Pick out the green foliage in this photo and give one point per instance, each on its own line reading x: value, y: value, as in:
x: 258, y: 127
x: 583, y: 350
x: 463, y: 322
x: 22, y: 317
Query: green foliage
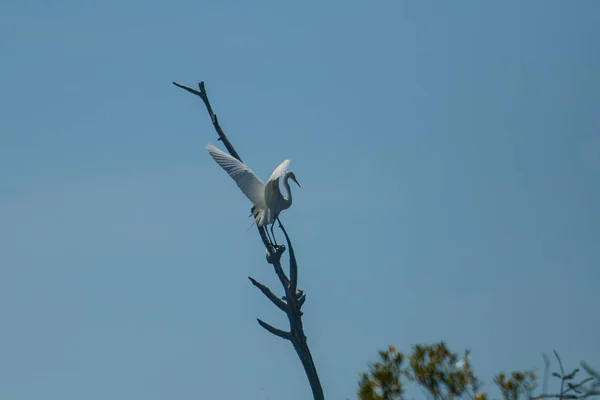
x: 383, y: 382
x: 445, y: 376
x: 594, y: 388
x: 519, y: 383
x: 435, y: 368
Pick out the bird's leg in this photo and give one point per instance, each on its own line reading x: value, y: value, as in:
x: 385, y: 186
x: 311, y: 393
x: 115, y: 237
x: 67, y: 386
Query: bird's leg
x: 269, y: 237
x: 273, y: 233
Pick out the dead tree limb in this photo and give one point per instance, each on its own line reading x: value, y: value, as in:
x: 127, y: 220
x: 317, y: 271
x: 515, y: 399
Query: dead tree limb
x: 573, y: 390
x: 275, y: 331
x: 293, y: 298
x: 213, y: 117
x: 270, y: 295
x: 223, y: 138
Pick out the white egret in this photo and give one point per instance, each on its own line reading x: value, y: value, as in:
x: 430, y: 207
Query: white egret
x: 267, y: 199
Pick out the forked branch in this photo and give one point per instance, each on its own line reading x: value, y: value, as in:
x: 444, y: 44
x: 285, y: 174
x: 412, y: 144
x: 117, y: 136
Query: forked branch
x: 223, y: 138
x: 294, y: 298
x: 573, y: 390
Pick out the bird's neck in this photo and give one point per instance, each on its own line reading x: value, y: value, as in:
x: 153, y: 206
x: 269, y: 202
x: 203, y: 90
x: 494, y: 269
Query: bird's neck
x: 286, y: 186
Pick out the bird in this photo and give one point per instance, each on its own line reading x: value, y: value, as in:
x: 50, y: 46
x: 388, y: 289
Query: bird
x: 267, y: 199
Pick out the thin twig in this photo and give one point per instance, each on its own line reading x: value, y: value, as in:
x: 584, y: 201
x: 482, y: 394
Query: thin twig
x: 562, y: 374
x: 275, y: 331
x: 580, y: 384
x: 546, y: 373
x: 564, y: 395
x: 270, y: 295
x: 213, y: 117
x: 590, y: 371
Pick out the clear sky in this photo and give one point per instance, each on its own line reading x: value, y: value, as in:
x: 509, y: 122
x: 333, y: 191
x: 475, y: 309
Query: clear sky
x: 449, y: 157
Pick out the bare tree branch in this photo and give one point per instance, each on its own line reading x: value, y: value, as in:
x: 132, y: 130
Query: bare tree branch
x: 564, y: 395
x: 562, y: 375
x: 275, y: 331
x: 546, y: 372
x: 294, y: 299
x: 267, y: 292
x: 293, y: 264
x: 222, y: 137
x: 213, y: 117
x: 590, y: 370
x: 582, y: 391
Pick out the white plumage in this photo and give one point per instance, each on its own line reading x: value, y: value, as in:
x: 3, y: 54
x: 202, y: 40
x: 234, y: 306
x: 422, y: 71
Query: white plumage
x: 267, y: 199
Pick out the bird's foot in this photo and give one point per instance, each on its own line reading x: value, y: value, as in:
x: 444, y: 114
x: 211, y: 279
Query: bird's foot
x: 278, y: 248
x: 275, y: 255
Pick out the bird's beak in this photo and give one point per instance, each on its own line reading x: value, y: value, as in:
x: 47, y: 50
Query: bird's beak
x: 294, y: 179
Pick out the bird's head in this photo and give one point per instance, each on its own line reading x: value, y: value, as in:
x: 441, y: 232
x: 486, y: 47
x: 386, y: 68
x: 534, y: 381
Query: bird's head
x: 293, y: 177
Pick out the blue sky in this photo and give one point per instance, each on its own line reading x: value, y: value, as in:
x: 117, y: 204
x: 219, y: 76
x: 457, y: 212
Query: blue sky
x: 449, y: 156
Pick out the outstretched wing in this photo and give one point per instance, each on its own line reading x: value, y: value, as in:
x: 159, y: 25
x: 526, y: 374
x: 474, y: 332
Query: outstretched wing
x: 272, y: 193
x: 243, y: 176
